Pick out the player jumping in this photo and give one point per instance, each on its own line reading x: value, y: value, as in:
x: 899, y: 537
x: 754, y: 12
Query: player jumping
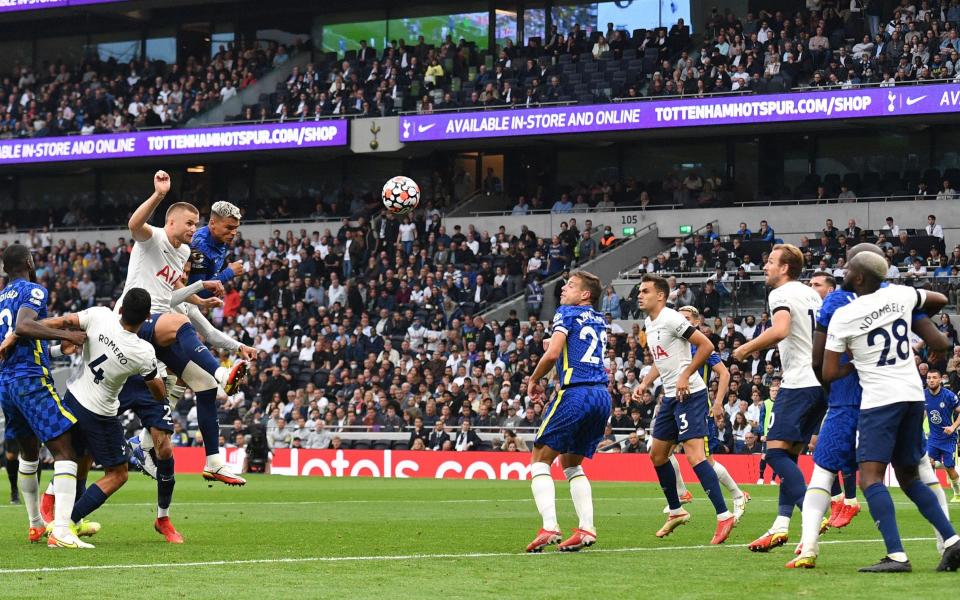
x: 157, y: 265
x: 576, y: 418
x: 799, y: 406
x: 875, y: 329
x: 713, y: 364
x: 683, y: 414
x: 33, y: 411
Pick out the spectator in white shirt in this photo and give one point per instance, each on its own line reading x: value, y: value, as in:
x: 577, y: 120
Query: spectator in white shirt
x: 932, y: 228
x: 892, y: 271
x: 948, y: 193
x: 336, y: 293
x: 892, y: 227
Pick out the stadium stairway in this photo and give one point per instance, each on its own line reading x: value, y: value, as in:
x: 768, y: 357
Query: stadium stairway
x: 606, y: 266
x: 251, y: 94
x: 480, y: 202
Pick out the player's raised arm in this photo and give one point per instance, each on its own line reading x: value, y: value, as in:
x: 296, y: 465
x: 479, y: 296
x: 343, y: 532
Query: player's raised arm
x: 777, y: 332
x: 723, y: 384
x: 138, y: 221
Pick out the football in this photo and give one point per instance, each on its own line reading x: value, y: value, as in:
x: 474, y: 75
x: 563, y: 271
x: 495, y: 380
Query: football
x: 400, y: 195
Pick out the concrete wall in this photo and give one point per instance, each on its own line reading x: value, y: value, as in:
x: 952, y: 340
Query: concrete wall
x: 789, y: 222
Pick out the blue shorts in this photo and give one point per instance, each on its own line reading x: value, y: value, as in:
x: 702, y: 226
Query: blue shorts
x: 892, y: 434
x: 682, y: 421
x: 943, y: 451
x: 102, y: 436
x: 797, y: 414
x: 32, y: 409
x: 837, y: 443
x: 576, y: 419
x: 136, y: 396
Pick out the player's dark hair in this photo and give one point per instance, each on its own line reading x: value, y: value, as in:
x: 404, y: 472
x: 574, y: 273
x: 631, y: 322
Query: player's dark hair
x: 181, y: 206
x: 934, y: 370
x: 831, y: 281
x: 659, y: 283
x: 591, y: 283
x: 16, y: 259
x: 135, y: 307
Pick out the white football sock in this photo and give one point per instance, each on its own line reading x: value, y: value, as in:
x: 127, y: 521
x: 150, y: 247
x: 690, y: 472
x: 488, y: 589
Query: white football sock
x: 726, y: 480
x: 929, y: 477
x: 146, y: 440
x: 816, y: 503
x: 162, y: 512
x: 781, y: 523
x: 545, y: 495
x: 582, y: 496
x: 221, y: 375
x: 50, y: 488
x: 955, y: 485
x: 30, y: 490
x: 214, y: 461
x: 681, y: 486
x: 175, y: 394
x: 65, y: 491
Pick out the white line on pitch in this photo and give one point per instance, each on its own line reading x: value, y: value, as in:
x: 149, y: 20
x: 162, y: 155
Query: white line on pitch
x: 335, y: 559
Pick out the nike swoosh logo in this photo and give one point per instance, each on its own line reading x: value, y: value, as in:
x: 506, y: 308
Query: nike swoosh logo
x: 422, y: 128
x: 912, y: 101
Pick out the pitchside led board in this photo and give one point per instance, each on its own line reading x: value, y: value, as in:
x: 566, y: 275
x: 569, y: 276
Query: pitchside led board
x: 659, y: 114
x: 172, y: 142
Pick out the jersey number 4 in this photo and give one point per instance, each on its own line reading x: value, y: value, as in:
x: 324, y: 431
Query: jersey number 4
x: 900, y: 335
x: 590, y: 333
x: 97, y: 373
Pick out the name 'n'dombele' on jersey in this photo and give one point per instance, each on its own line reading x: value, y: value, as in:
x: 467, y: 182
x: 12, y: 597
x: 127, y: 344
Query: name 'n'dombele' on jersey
x: 796, y: 350
x: 156, y: 266
x: 582, y: 357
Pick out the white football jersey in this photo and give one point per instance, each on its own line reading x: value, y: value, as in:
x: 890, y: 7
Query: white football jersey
x: 876, y: 329
x: 111, y: 354
x: 796, y: 350
x: 671, y: 350
x: 156, y: 266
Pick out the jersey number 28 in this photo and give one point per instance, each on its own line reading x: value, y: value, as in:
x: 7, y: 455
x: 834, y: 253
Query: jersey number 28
x: 900, y: 336
x: 589, y: 357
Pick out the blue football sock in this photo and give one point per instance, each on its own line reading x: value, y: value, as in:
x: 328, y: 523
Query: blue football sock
x: 207, y: 421
x: 929, y: 506
x: 165, y: 482
x: 763, y: 467
x: 850, y: 484
x: 92, y: 499
x: 711, y: 484
x: 191, y: 349
x: 668, y: 483
x: 835, y: 488
x: 792, y: 485
x: 885, y: 516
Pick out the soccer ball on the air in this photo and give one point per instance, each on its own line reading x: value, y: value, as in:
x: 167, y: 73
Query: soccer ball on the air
x: 400, y: 195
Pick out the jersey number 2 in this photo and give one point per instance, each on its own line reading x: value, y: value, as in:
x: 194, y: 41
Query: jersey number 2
x: 588, y: 356
x: 97, y: 373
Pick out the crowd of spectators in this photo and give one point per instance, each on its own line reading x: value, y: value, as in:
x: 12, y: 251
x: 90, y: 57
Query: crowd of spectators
x: 825, y: 45
x: 104, y: 96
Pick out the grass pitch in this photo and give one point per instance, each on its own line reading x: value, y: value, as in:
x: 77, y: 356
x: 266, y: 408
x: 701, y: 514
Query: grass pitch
x: 310, y: 537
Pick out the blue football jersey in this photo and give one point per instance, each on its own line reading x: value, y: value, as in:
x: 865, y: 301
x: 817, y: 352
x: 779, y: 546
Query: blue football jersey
x: 940, y: 412
x: 582, y: 358
x: 29, y: 357
x: 707, y: 368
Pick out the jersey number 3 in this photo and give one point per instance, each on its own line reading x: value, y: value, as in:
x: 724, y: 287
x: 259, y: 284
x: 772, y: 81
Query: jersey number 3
x: 97, y: 373
x: 589, y: 357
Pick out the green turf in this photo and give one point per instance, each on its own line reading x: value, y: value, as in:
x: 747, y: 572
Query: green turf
x: 305, y: 520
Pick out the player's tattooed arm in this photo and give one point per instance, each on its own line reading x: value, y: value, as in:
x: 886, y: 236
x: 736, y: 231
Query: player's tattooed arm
x: 29, y: 326
x: 769, y: 338
x: 139, y: 229
x: 69, y: 321
x: 157, y: 388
